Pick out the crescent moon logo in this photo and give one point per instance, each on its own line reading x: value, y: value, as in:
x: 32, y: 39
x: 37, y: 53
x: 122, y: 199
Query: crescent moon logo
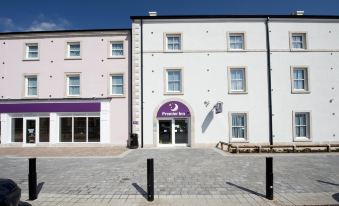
x: 175, y: 108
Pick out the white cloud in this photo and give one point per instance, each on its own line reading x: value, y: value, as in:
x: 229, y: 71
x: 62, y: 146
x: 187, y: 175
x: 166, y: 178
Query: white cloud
x: 42, y: 23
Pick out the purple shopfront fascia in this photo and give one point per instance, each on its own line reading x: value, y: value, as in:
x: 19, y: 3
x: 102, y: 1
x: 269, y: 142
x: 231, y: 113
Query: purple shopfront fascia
x: 50, y: 107
x: 173, y: 109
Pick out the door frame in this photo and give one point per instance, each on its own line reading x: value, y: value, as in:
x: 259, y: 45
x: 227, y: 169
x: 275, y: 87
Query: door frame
x: 25, y: 130
x: 172, y: 119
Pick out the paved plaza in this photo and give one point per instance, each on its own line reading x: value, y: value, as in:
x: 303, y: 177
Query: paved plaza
x: 182, y: 177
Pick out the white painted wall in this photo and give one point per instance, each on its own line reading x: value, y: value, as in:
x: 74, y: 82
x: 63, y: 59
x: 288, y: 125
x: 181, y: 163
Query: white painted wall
x: 205, y: 48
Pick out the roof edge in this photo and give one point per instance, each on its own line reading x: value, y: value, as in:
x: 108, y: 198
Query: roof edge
x: 64, y: 31
x: 236, y: 16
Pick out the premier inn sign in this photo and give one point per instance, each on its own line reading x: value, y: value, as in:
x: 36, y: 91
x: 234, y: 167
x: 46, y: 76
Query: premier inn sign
x: 173, y: 109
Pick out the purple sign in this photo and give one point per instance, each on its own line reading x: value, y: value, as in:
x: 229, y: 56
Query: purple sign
x: 173, y: 109
x: 50, y: 107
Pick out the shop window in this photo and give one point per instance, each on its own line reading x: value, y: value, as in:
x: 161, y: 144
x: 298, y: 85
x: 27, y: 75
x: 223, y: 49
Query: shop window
x: 66, y: 129
x: 44, y: 129
x: 93, y: 129
x: 17, y: 129
x: 80, y: 129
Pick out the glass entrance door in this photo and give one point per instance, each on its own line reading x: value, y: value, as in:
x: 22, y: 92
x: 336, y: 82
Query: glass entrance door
x: 174, y: 132
x: 181, y: 131
x: 165, y: 131
x: 31, y: 131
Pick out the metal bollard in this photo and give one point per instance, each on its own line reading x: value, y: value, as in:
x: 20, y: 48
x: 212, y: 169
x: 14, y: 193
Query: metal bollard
x: 32, y: 179
x: 150, y: 180
x: 269, y: 178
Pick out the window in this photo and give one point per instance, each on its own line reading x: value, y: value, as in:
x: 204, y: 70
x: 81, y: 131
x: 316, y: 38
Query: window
x: 73, y: 85
x: 299, y: 80
x: 31, y: 86
x: 239, y: 126
x: 73, y: 49
x: 298, y: 41
x: 237, y: 80
x: 32, y: 51
x: 173, y: 81
x: 302, y: 126
x: 236, y: 41
x: 117, y: 82
x: 79, y: 129
x: 173, y: 42
x: 17, y: 129
x: 44, y: 129
x: 117, y: 49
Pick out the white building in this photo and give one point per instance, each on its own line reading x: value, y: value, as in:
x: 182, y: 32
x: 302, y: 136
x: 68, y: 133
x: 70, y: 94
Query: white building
x: 184, y: 65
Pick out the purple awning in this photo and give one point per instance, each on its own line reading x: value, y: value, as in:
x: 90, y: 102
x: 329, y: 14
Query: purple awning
x: 173, y: 109
x: 50, y: 107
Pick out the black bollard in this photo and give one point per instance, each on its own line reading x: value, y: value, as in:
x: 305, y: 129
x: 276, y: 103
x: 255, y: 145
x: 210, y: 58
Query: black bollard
x: 32, y: 179
x: 150, y: 180
x: 269, y: 178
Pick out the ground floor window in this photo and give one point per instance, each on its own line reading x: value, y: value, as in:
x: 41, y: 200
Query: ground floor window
x: 239, y: 126
x: 79, y: 129
x: 302, y: 125
x: 17, y: 129
x: 44, y: 129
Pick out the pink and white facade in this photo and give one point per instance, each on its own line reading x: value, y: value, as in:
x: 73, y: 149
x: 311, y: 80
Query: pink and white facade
x: 65, y: 87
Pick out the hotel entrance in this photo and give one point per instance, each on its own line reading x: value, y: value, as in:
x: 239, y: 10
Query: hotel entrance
x: 173, y: 124
x: 173, y: 132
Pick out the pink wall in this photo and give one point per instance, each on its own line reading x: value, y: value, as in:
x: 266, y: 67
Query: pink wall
x: 94, y: 66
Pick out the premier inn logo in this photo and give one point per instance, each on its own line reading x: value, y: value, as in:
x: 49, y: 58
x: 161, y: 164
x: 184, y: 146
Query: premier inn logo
x: 173, y: 107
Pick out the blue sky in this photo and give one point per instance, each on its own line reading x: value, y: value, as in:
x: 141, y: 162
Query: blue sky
x: 29, y: 15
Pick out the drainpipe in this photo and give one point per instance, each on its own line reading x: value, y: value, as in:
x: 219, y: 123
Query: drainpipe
x: 141, y: 83
x: 269, y: 80
x: 130, y: 90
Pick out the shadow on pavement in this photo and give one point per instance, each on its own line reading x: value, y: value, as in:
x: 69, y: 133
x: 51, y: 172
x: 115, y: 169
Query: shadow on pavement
x: 39, y: 187
x: 140, y: 190
x: 330, y: 183
x: 336, y: 196
x: 24, y: 204
x: 245, y: 189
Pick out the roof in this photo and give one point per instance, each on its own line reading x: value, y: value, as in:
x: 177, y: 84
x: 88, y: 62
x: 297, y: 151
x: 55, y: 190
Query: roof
x: 64, y: 31
x: 236, y: 16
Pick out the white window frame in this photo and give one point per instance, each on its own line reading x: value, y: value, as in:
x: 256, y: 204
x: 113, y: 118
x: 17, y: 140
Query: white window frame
x: 243, y: 34
x: 68, y: 50
x: 26, y: 53
x: 27, y: 76
x: 306, y: 89
x: 76, y: 116
x: 111, y: 85
x: 166, y: 35
x: 245, y: 83
x: 246, y: 126
x: 68, y: 86
x: 308, y: 125
x: 304, y: 41
x: 110, y: 49
x: 166, y: 82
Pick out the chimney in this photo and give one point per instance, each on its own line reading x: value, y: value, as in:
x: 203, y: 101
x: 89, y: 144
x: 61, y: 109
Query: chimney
x: 298, y: 13
x: 152, y: 13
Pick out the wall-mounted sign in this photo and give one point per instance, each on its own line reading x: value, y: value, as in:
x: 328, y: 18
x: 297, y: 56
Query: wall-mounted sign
x: 173, y: 109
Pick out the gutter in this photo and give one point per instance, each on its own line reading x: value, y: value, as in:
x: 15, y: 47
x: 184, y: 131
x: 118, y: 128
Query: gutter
x: 141, y: 83
x: 269, y: 80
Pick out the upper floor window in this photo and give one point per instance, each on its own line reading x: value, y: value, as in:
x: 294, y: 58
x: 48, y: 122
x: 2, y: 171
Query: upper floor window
x: 73, y: 50
x: 298, y: 41
x: 237, y: 80
x: 236, y: 41
x: 173, y: 42
x: 117, y: 84
x: 299, y: 80
x: 302, y: 125
x: 73, y: 85
x: 117, y: 49
x: 174, y: 82
x: 32, y: 51
x: 239, y: 126
x: 31, y: 86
